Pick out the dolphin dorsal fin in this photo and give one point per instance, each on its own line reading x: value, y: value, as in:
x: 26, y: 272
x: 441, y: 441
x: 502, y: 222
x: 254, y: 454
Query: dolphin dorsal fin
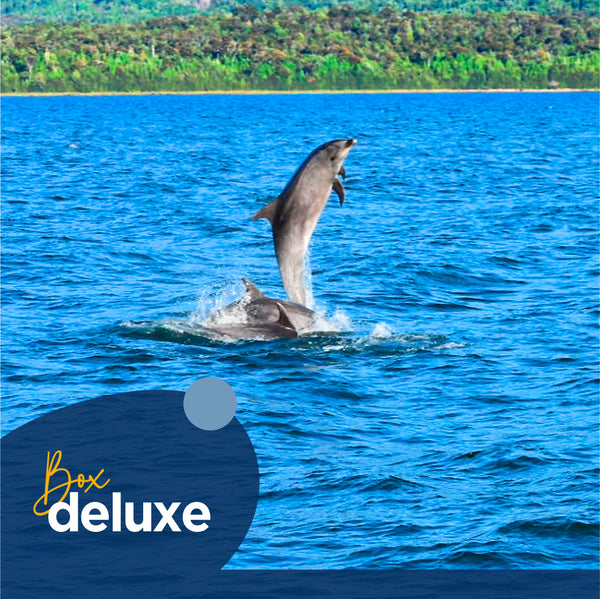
x: 284, y: 319
x: 267, y: 211
x: 339, y: 189
x: 252, y: 290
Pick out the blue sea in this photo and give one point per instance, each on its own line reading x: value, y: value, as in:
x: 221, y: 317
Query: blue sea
x: 450, y: 420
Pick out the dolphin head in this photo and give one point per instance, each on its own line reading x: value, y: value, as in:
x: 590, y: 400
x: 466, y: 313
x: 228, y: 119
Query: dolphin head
x: 331, y: 156
x: 334, y: 153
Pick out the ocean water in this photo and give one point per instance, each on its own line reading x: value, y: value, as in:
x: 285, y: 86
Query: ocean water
x: 450, y: 421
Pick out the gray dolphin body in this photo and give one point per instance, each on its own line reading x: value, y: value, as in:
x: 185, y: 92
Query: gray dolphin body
x: 256, y: 316
x: 281, y: 329
x: 295, y: 212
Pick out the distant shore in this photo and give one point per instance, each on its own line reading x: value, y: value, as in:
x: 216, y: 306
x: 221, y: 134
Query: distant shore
x: 296, y: 92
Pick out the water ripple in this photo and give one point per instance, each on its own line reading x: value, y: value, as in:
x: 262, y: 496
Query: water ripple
x: 449, y: 420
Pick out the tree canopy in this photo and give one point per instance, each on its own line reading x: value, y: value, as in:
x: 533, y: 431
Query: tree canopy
x: 295, y: 48
x: 121, y: 11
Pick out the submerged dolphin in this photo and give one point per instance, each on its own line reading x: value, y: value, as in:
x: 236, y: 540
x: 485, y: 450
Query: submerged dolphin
x: 257, y: 316
x: 281, y: 328
x: 295, y: 212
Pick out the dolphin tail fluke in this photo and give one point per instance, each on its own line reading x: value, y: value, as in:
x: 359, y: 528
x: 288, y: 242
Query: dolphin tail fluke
x: 267, y: 211
x: 251, y: 289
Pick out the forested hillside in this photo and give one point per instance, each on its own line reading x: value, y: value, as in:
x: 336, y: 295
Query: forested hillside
x: 297, y: 48
x: 119, y: 11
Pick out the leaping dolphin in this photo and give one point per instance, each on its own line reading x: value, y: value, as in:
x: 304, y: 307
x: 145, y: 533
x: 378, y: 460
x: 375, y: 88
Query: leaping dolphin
x: 295, y: 212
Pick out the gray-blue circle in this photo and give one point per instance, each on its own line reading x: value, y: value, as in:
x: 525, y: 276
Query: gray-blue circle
x: 210, y: 403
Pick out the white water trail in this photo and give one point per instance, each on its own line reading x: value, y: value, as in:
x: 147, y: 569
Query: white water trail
x: 308, y: 287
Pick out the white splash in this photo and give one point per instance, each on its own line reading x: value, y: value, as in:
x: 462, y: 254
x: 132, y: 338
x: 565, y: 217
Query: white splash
x: 451, y: 345
x: 341, y: 321
x: 381, y: 331
x: 310, y: 298
x: 212, y: 300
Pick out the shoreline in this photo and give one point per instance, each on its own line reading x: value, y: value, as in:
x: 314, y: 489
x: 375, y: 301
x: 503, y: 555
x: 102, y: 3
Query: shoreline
x: 295, y: 92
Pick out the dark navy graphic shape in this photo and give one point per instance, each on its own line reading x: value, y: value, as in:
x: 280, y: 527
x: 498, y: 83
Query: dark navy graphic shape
x: 151, y: 452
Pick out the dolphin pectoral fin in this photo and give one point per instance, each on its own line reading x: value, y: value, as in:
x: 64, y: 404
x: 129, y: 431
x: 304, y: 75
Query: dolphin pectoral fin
x: 342, y: 171
x: 339, y: 189
x: 267, y: 211
x: 251, y: 289
x: 284, y: 319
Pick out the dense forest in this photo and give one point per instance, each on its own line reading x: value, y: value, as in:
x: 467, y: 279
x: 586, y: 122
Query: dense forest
x: 119, y: 11
x: 293, y: 47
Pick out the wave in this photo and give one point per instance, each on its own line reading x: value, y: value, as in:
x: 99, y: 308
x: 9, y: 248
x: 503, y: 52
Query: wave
x: 327, y: 336
x: 552, y: 527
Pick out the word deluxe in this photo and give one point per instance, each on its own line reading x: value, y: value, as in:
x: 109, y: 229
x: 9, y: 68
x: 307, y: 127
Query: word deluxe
x: 95, y: 514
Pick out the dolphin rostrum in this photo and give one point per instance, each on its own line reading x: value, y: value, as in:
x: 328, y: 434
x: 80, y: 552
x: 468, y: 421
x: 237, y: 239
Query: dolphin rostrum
x: 295, y: 212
